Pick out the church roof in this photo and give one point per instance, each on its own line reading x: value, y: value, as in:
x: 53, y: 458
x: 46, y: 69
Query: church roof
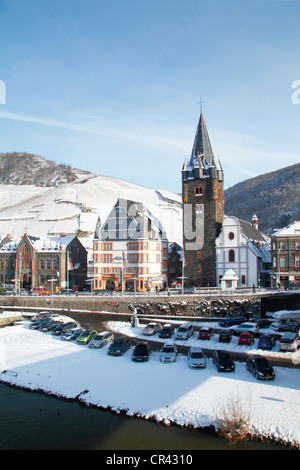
x: 202, y: 145
x: 202, y: 163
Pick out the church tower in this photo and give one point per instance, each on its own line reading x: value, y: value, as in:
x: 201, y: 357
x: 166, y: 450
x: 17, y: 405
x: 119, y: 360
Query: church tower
x: 203, y: 210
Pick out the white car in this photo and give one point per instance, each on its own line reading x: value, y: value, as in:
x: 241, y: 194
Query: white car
x: 247, y: 326
x: 196, y: 358
x: 103, y: 338
x: 168, y: 353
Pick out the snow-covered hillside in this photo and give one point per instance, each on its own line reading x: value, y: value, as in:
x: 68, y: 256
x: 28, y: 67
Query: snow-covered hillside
x: 75, y: 207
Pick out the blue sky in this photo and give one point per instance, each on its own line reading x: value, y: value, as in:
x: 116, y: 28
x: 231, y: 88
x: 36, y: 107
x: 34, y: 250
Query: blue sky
x: 113, y: 86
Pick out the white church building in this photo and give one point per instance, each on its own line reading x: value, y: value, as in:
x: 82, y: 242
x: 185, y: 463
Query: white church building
x: 242, y: 248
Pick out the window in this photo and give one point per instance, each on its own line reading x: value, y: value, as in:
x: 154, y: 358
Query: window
x: 282, y: 245
x: 198, y: 191
x: 231, y: 235
x: 231, y: 256
x: 199, y: 208
x: 297, y: 245
x: 107, y: 246
x: 297, y: 262
x: 282, y: 261
x: 243, y: 279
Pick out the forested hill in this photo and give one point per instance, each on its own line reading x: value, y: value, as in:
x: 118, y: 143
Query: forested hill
x: 274, y: 197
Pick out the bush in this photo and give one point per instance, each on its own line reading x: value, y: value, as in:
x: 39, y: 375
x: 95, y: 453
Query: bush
x: 233, y: 420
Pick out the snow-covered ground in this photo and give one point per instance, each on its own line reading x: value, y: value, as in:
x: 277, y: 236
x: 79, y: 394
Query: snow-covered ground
x: 165, y: 392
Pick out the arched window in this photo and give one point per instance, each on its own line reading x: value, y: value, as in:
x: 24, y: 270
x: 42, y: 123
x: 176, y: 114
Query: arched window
x: 231, y: 256
x: 198, y: 191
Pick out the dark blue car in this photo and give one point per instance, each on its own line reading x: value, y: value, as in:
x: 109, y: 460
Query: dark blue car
x: 266, y: 342
x: 230, y: 321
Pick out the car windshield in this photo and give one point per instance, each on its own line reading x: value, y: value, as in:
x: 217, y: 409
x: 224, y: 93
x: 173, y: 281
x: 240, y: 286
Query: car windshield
x: 118, y: 341
x: 141, y: 348
x: 197, y: 355
x: 98, y: 337
x: 262, y: 362
x: 182, y: 328
x: 168, y: 349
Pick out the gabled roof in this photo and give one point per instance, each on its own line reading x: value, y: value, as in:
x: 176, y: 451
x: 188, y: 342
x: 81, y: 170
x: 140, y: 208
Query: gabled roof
x: 137, y: 222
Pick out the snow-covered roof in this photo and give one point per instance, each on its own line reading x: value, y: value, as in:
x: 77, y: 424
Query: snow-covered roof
x: 40, y: 244
x: 291, y: 230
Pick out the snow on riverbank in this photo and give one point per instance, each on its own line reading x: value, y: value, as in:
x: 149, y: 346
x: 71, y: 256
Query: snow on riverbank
x: 165, y: 392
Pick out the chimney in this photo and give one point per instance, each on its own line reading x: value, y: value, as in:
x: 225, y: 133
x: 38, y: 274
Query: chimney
x: 254, y: 221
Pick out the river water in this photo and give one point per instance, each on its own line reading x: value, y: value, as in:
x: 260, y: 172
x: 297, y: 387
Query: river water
x: 33, y: 421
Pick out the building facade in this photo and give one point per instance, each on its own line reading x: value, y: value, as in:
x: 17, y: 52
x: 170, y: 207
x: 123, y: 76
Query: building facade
x: 130, y: 250
x: 203, y: 210
x: 49, y: 262
x: 245, y: 251
x: 285, y: 244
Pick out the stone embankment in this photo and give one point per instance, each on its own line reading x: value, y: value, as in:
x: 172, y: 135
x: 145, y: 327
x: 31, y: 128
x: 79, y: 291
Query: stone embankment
x: 181, y: 306
x: 192, y: 306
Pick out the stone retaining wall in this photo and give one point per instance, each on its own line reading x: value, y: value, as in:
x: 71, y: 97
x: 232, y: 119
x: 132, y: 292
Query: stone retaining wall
x: 197, y: 306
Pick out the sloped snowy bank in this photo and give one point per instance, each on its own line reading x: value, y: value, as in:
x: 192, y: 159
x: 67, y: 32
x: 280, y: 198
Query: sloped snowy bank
x: 170, y: 393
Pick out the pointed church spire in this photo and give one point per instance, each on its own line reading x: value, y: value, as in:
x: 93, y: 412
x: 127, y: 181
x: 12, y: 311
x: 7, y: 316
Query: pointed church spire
x: 202, y: 145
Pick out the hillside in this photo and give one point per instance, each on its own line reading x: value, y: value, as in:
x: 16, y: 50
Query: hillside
x: 42, y: 198
x: 28, y: 169
x: 274, y: 197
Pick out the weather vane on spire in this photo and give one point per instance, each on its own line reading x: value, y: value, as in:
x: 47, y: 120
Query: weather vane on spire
x: 201, y: 103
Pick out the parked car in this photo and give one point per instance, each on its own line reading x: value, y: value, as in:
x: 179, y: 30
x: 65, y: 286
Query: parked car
x: 64, y: 327
x: 185, y: 331
x: 86, y: 336
x: 168, y: 353
x: 39, y: 291
x: 196, y: 358
x: 290, y: 341
x: 225, y: 336
x: 223, y: 361
x: 141, y: 352
x: 295, y: 326
x: 39, y: 315
x: 167, y: 331
x: 151, y: 329
x: 237, y: 329
x: 260, y: 367
x: 72, y: 334
x: 50, y: 325
x: 266, y: 341
x: 103, y: 338
x: 119, y: 346
x: 282, y: 325
x: 230, y: 321
x: 263, y: 322
x: 42, y: 321
x: 205, y: 333
x: 246, y: 337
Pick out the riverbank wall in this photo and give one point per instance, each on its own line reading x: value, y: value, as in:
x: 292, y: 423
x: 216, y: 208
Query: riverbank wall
x: 173, y: 305
x: 195, y: 306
